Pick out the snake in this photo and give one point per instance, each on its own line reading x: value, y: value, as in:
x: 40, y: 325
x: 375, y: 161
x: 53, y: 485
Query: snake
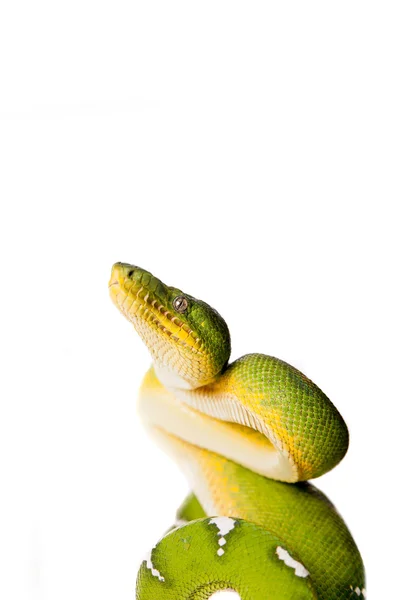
x: 248, y: 435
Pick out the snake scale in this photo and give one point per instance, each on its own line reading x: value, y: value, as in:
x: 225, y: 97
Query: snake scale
x: 248, y: 435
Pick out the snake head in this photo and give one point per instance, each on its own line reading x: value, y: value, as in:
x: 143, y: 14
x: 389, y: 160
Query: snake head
x: 188, y: 340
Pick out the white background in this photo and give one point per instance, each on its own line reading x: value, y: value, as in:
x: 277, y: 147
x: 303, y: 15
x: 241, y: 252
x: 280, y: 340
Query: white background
x: 247, y: 152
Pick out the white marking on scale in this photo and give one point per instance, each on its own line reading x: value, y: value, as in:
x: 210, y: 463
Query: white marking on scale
x: 225, y: 525
x: 358, y: 591
x: 299, y: 569
x: 150, y: 566
x: 222, y: 541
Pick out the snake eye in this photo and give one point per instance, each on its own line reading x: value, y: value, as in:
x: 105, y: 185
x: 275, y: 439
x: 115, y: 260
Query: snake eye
x: 180, y: 304
x: 131, y: 272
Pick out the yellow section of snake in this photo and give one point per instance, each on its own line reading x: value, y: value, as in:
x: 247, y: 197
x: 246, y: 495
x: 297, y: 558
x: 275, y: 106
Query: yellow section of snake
x: 161, y: 408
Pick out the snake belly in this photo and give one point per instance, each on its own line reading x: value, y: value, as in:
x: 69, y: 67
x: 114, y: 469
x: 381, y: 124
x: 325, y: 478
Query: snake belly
x: 248, y: 435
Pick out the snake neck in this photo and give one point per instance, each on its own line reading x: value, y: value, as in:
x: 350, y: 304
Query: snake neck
x: 174, y: 381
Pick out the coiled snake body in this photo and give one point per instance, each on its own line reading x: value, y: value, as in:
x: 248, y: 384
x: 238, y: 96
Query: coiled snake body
x: 247, y: 435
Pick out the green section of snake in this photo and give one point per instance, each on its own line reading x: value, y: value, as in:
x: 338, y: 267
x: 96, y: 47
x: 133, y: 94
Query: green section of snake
x: 189, y: 554
x: 229, y: 426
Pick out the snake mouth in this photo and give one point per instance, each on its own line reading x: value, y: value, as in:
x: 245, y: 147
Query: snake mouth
x: 146, y: 311
x: 115, y: 278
